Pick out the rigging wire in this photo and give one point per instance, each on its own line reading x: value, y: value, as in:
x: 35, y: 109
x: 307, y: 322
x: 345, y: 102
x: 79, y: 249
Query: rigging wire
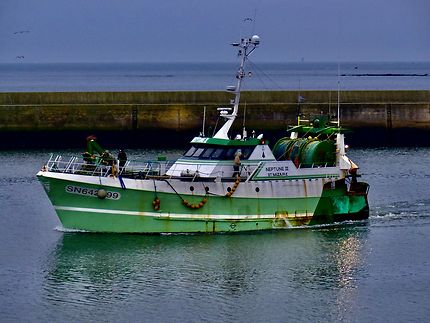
x: 257, y: 68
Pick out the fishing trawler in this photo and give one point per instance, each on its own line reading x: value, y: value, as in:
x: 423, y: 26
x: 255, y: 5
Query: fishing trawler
x: 223, y: 183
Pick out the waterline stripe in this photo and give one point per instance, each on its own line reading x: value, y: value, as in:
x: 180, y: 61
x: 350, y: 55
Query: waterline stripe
x: 183, y: 216
x: 83, y: 209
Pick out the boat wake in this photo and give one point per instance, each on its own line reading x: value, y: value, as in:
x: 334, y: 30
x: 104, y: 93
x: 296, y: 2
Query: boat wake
x: 304, y: 227
x: 403, y: 209
x: 65, y: 230
x: 331, y: 225
x: 401, y: 213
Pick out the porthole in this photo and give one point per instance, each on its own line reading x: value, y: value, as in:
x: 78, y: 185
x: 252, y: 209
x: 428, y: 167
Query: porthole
x: 228, y: 189
x: 257, y: 189
x: 191, y: 188
x: 207, y: 189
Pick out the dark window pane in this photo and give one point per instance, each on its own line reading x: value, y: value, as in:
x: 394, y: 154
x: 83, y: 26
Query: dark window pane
x: 217, y: 153
x: 246, y: 152
x: 230, y: 153
x: 198, y: 152
x: 208, y: 152
x: 190, y: 152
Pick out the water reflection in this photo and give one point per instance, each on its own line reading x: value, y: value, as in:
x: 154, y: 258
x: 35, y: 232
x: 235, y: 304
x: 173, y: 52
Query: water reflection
x: 335, y: 262
x: 132, y: 275
x: 90, y: 268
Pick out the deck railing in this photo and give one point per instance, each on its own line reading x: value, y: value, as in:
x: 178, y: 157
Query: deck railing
x: 148, y: 169
x: 75, y: 165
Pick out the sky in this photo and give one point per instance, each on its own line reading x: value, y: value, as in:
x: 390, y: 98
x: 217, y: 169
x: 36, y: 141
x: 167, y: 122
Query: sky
x: 51, y: 31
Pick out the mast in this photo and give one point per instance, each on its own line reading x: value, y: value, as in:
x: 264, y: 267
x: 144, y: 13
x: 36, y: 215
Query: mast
x: 245, y: 48
x: 338, y: 95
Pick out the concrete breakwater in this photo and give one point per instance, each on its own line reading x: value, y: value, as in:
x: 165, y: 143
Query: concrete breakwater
x: 150, y: 119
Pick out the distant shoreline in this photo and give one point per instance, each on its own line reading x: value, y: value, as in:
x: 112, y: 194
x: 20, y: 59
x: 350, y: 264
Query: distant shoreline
x: 211, y: 76
x: 386, y: 74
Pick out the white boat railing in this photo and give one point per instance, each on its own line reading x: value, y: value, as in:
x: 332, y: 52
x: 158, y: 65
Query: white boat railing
x: 75, y: 165
x: 141, y: 170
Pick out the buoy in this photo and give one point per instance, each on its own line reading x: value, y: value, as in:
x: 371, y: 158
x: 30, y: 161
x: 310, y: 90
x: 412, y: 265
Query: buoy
x: 101, y: 194
x: 195, y: 206
x: 156, y: 204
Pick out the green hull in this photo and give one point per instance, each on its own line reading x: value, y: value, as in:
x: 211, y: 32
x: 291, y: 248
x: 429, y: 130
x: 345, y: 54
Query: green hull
x: 134, y: 211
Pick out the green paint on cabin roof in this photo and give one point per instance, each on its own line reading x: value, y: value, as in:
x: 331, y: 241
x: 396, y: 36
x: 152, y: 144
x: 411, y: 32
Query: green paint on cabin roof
x: 317, y: 131
x: 318, y: 124
x: 225, y: 142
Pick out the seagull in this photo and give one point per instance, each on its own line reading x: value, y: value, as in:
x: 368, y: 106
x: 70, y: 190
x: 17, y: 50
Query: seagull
x: 21, y: 32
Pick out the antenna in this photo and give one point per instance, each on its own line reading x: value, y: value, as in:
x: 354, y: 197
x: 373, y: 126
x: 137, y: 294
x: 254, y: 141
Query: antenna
x: 245, y: 25
x: 204, y: 121
x: 339, y: 31
x: 254, y: 20
x: 244, y: 133
x: 299, y: 100
x: 338, y: 94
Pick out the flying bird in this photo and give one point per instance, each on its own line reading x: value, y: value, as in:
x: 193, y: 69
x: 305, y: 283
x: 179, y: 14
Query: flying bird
x: 21, y: 32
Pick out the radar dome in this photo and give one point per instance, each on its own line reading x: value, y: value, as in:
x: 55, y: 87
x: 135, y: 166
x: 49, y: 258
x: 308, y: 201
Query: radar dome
x: 255, y: 40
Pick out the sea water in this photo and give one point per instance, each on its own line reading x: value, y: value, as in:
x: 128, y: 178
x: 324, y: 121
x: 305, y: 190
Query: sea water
x: 20, y: 77
x: 374, y: 271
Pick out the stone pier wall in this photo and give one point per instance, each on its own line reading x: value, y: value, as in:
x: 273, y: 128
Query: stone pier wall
x: 384, y: 116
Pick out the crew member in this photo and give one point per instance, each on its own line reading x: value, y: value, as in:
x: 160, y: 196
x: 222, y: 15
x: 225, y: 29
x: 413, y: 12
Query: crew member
x: 122, y: 158
x: 236, y: 165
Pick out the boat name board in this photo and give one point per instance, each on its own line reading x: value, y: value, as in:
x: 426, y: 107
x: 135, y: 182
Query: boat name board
x: 275, y: 171
x: 92, y: 192
x: 286, y: 170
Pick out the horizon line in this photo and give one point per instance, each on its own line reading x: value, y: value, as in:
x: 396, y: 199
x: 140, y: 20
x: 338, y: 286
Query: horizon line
x: 216, y: 62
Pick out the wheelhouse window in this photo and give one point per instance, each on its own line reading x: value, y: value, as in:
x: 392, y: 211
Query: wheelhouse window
x: 208, y: 152
x: 221, y: 153
x: 190, y: 152
x: 217, y: 153
x: 246, y: 152
x: 229, y: 153
x: 198, y: 152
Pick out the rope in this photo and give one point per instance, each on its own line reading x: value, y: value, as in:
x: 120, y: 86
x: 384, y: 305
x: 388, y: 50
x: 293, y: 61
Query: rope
x: 236, y: 184
x: 185, y: 202
x: 156, y: 201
